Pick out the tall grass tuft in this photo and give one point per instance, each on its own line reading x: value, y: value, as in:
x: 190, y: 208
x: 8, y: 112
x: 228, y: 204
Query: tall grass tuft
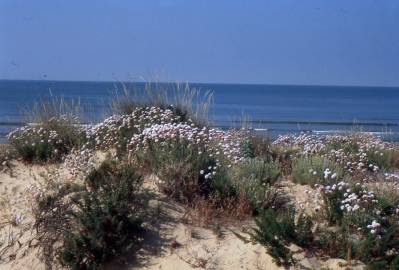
x: 50, y: 108
x: 188, y: 102
x: 54, y: 130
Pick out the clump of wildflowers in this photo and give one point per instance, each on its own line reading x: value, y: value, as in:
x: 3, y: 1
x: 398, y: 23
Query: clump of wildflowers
x: 359, y: 153
x: 48, y: 140
x: 188, y: 160
x: 218, y: 144
x: 117, y: 130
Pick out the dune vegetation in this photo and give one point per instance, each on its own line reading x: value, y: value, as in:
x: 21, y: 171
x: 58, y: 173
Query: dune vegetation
x: 94, y: 207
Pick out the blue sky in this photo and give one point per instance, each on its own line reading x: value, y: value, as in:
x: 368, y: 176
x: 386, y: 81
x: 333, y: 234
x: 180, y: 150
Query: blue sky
x: 322, y: 42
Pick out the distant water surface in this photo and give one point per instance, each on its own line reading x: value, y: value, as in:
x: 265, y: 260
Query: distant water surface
x: 274, y: 109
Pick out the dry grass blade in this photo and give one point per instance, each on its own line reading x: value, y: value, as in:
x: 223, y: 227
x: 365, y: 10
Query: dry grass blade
x: 189, y: 101
x: 54, y: 107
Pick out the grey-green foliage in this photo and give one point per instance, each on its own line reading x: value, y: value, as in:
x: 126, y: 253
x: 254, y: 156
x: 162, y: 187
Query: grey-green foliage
x: 106, y: 220
x: 48, y: 140
x: 179, y: 167
x: 276, y: 230
x: 310, y: 170
x: 254, y: 179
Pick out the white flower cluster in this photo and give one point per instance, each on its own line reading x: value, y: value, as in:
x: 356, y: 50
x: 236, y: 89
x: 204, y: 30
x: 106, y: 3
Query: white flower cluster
x: 78, y: 163
x: 216, y: 143
x: 310, y: 144
x: 392, y: 177
x: 39, y: 134
x: 328, y: 174
x: 117, y: 130
x: 374, y: 227
x: 350, y: 201
x: 210, y: 172
x: 32, y: 135
x: 331, y: 188
x: 351, y: 151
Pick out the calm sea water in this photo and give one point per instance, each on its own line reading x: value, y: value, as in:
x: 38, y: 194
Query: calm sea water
x: 271, y: 108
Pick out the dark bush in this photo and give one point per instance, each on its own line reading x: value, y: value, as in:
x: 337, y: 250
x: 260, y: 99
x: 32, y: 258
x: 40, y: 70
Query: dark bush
x: 183, y: 171
x: 276, y: 230
x: 107, y: 219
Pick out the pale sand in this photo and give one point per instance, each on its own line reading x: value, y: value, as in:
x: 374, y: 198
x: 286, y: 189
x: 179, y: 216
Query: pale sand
x: 14, y: 255
x: 195, y: 247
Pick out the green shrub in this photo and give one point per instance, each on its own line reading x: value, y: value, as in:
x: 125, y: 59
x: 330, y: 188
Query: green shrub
x: 107, y: 220
x: 48, y: 140
x: 221, y: 185
x: 384, y: 159
x: 310, y: 170
x: 276, y: 230
x: 269, y: 233
x: 285, y: 159
x: 184, y: 172
x: 395, y: 159
x: 332, y: 207
x: 247, y: 149
x: 256, y: 146
x: 370, y: 230
x: 254, y: 179
x: 349, y: 146
x: 334, y: 243
x: 304, y: 236
x: 52, y: 216
x: 379, y: 252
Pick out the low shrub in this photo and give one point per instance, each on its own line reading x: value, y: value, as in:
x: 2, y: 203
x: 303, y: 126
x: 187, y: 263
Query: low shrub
x: 256, y: 146
x: 269, y: 233
x: 395, y: 158
x: 184, y: 171
x: 276, y: 230
x: 93, y: 224
x: 254, y: 179
x: 384, y: 159
x: 379, y: 252
x: 108, y: 220
x: 285, y: 159
x: 348, y: 144
x: 188, y: 160
x: 333, y: 242
x: 52, y: 213
x: 116, y: 131
x: 47, y: 141
x: 367, y: 225
x: 312, y: 170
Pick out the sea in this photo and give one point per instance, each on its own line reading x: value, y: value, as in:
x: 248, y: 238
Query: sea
x: 268, y: 109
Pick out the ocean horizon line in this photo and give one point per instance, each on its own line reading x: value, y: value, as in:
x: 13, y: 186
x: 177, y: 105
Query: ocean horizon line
x: 302, y: 122
x: 206, y: 83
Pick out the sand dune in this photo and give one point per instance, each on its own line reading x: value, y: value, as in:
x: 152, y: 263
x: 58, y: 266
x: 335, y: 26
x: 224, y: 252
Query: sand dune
x: 170, y: 243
